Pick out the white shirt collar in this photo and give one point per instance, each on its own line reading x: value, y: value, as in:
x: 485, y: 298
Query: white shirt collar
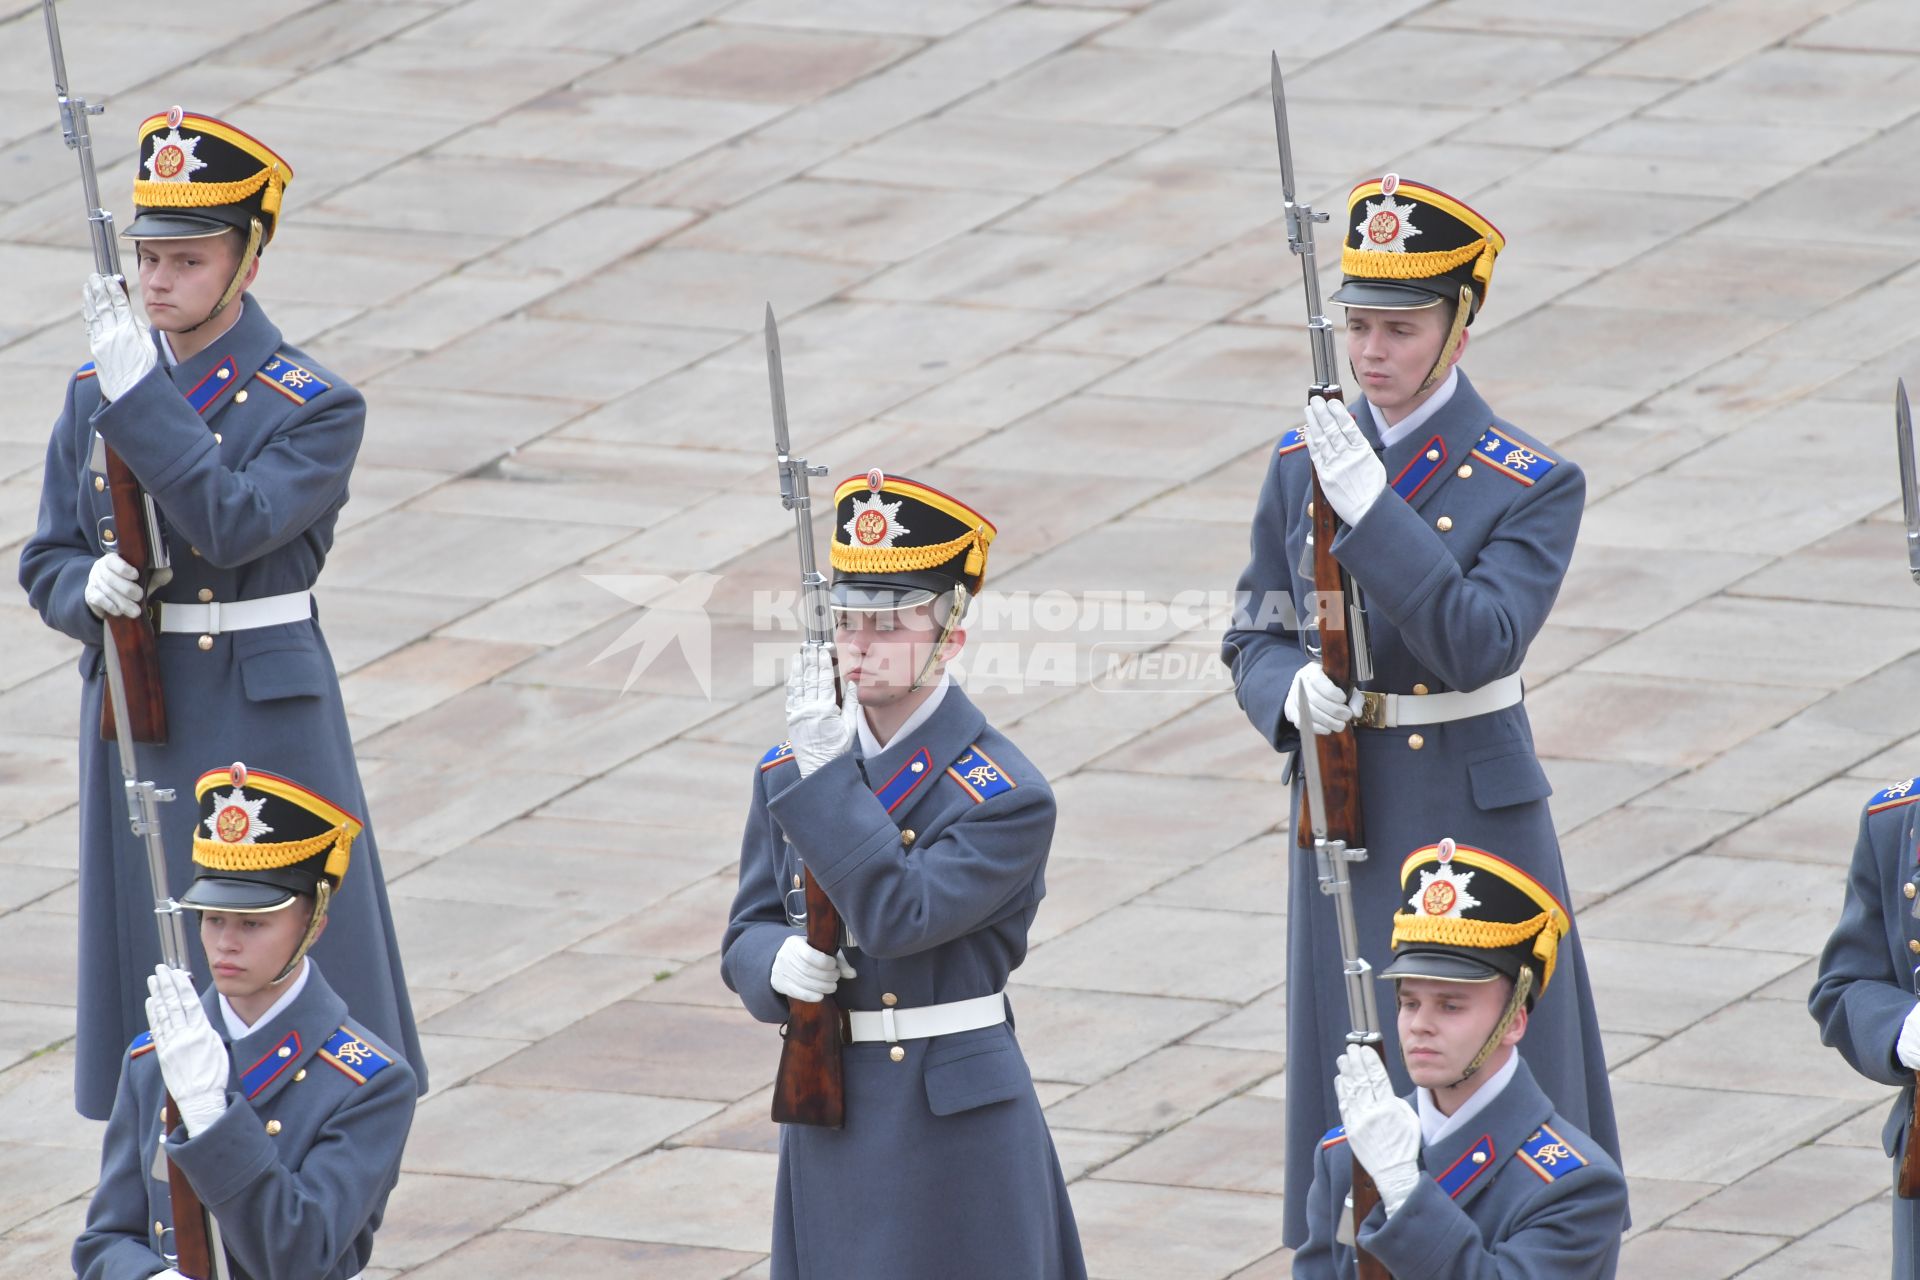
x: 1434, y: 1125
x: 1390, y: 436
x: 166, y: 347
x: 237, y: 1027
x: 870, y: 744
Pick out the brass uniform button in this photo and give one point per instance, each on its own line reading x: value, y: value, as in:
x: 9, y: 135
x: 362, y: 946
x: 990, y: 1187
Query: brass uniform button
x: 206, y: 643
x: 1433, y: 455
x: 796, y: 882
x: 907, y: 837
x: 1479, y: 1157
x: 107, y: 535
x: 300, y: 1075
x: 218, y: 438
x: 222, y: 374
x: 1309, y: 508
x: 1466, y: 471
x: 273, y: 1128
x: 284, y: 1052
x: 240, y: 396
x: 163, y: 1116
x: 1913, y: 945
x: 1415, y: 741
x: 1907, y: 888
x: 1444, y: 523
x: 206, y: 594
x: 99, y: 483
x: 1419, y: 688
x: 159, y: 1227
x: 897, y: 1053
x: 889, y: 999
x: 195, y: 550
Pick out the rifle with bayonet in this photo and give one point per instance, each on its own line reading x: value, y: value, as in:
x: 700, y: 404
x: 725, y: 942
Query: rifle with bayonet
x: 811, y: 1086
x: 1339, y: 627
x: 1332, y: 858
x: 136, y: 533
x: 1909, y: 1186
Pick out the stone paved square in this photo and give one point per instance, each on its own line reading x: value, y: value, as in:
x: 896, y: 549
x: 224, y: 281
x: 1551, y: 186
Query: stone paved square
x: 1030, y: 249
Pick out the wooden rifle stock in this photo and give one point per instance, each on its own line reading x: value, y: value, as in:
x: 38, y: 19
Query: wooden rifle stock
x: 1910, y: 1158
x: 811, y: 1085
x: 192, y: 1244
x: 1339, y: 752
x: 134, y: 637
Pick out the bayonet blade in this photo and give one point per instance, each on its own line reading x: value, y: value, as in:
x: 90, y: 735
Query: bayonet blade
x: 777, y: 385
x: 1280, y: 128
x: 1909, y: 477
x: 1313, y: 797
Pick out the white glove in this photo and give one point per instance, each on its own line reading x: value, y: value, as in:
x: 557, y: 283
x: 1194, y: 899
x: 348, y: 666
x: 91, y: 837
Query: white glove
x: 168, y: 1274
x: 1330, y: 709
x: 193, y: 1057
x: 1383, y: 1130
x: 113, y: 587
x: 122, y: 352
x: 818, y: 727
x: 1349, y: 470
x: 1907, y: 1048
x: 801, y: 973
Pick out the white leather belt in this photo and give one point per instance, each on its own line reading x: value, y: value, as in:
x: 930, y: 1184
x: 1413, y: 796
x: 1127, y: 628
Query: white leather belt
x: 893, y: 1025
x: 1392, y: 710
x: 235, y: 615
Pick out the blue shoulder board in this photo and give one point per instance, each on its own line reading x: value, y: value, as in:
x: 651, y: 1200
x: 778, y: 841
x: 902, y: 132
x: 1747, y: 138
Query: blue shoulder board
x: 1894, y: 796
x: 978, y: 775
x: 1294, y: 439
x: 1333, y: 1137
x: 777, y: 755
x: 1511, y: 458
x: 142, y: 1043
x: 1547, y: 1154
x: 357, y: 1059
x: 290, y: 380
x: 84, y: 371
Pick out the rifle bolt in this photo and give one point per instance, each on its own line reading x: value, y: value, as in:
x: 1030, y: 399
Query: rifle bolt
x: 1415, y: 742
x: 897, y: 1054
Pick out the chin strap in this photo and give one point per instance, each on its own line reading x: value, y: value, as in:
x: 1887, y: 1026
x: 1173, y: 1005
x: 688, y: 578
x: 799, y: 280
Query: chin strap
x: 321, y: 897
x: 247, y: 255
x: 959, y: 611
x: 1522, y: 987
x: 1451, y: 347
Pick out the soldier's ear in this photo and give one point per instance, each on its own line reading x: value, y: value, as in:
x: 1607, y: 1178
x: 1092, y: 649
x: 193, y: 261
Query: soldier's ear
x: 1517, y: 1029
x: 1461, y: 350
x: 253, y: 269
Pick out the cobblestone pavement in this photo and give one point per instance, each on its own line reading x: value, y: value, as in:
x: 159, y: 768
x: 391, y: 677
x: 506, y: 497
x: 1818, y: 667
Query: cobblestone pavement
x: 1029, y: 251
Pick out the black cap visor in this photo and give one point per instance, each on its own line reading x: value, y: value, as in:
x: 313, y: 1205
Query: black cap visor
x: 1386, y: 295
x: 242, y: 897
x: 1444, y: 966
x: 170, y: 224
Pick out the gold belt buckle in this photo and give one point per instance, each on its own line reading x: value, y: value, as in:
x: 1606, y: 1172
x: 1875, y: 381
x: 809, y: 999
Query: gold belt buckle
x: 1373, y: 710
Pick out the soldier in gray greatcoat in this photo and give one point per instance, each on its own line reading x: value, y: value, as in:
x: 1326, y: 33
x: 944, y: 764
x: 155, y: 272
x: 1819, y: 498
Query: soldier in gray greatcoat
x: 929, y: 832
x: 1457, y: 530
x: 1864, y: 995
x: 1480, y: 1176
x: 245, y: 445
x: 289, y: 1115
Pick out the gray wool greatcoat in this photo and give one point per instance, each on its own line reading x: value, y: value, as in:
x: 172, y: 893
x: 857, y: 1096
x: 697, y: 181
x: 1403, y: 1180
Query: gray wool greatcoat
x: 1541, y: 1202
x: 1450, y: 609
x: 298, y: 1168
x: 944, y: 1169
x: 246, y: 449
x: 1869, y: 975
